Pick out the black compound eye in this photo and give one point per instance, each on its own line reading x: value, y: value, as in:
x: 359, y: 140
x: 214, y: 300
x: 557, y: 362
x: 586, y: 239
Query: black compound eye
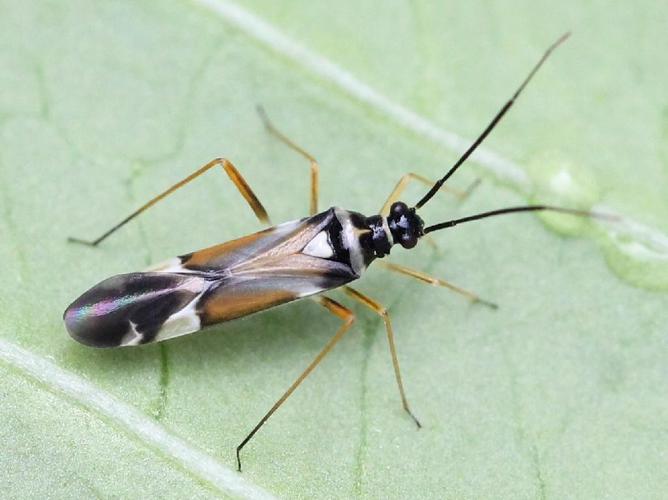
x: 408, y: 240
x: 398, y: 208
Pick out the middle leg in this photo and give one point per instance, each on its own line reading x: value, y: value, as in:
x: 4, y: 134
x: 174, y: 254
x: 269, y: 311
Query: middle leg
x: 232, y: 172
x: 315, y: 168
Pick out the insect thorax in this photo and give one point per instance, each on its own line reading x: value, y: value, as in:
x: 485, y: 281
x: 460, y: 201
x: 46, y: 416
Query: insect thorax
x: 369, y: 238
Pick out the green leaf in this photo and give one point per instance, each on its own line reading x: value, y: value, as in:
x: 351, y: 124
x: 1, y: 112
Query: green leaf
x: 559, y: 393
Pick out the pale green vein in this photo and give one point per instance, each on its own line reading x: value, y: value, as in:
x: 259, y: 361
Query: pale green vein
x: 8, y: 216
x: 184, y: 110
x: 531, y: 450
x: 369, y: 331
x: 642, y: 235
x: 163, y: 381
x: 182, y: 453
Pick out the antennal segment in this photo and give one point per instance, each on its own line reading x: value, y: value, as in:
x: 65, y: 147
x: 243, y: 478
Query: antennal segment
x: 528, y: 208
x: 491, y: 125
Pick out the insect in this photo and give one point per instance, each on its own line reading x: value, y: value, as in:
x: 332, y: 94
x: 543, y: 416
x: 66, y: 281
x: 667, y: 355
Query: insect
x: 291, y: 261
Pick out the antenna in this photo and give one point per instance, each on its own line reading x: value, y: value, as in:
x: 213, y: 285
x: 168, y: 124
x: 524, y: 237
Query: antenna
x: 528, y: 208
x: 491, y: 125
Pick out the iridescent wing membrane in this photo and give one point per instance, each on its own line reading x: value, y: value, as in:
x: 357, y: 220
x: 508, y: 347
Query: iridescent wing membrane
x: 220, y: 283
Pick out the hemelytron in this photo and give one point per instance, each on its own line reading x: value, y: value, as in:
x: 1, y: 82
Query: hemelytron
x: 294, y: 260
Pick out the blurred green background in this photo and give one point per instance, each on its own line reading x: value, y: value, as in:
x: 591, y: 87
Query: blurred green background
x: 559, y: 393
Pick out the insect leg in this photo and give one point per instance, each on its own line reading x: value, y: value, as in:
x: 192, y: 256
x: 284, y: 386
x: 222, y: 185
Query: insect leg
x: 315, y: 168
x: 406, y: 178
x: 425, y: 278
x: 348, y: 318
x: 232, y: 172
x: 382, y: 312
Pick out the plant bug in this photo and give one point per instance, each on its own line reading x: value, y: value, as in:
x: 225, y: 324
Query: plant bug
x: 294, y: 260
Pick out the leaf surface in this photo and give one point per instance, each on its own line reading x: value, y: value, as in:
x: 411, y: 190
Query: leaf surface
x: 559, y: 393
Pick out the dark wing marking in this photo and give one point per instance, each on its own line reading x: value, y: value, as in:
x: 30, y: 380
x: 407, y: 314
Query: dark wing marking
x: 131, y: 309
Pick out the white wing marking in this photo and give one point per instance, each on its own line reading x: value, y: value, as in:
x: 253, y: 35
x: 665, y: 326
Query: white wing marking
x: 319, y: 246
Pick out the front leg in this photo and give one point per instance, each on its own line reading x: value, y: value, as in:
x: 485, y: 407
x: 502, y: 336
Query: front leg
x: 425, y: 278
x: 406, y: 178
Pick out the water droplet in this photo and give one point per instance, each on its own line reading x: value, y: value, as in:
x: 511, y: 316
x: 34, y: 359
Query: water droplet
x: 637, y: 254
x: 634, y: 252
x: 558, y: 181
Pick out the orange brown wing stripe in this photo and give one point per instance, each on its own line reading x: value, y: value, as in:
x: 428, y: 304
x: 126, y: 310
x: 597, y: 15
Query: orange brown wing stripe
x: 218, y: 308
x: 203, y: 258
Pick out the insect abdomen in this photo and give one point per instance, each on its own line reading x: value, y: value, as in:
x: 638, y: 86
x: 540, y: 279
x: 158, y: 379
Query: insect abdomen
x: 130, y: 309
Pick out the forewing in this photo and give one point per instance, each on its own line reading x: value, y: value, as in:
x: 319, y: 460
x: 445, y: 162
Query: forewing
x: 217, y: 284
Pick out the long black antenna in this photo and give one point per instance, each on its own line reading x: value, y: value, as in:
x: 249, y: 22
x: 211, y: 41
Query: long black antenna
x: 492, y: 124
x: 528, y: 208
